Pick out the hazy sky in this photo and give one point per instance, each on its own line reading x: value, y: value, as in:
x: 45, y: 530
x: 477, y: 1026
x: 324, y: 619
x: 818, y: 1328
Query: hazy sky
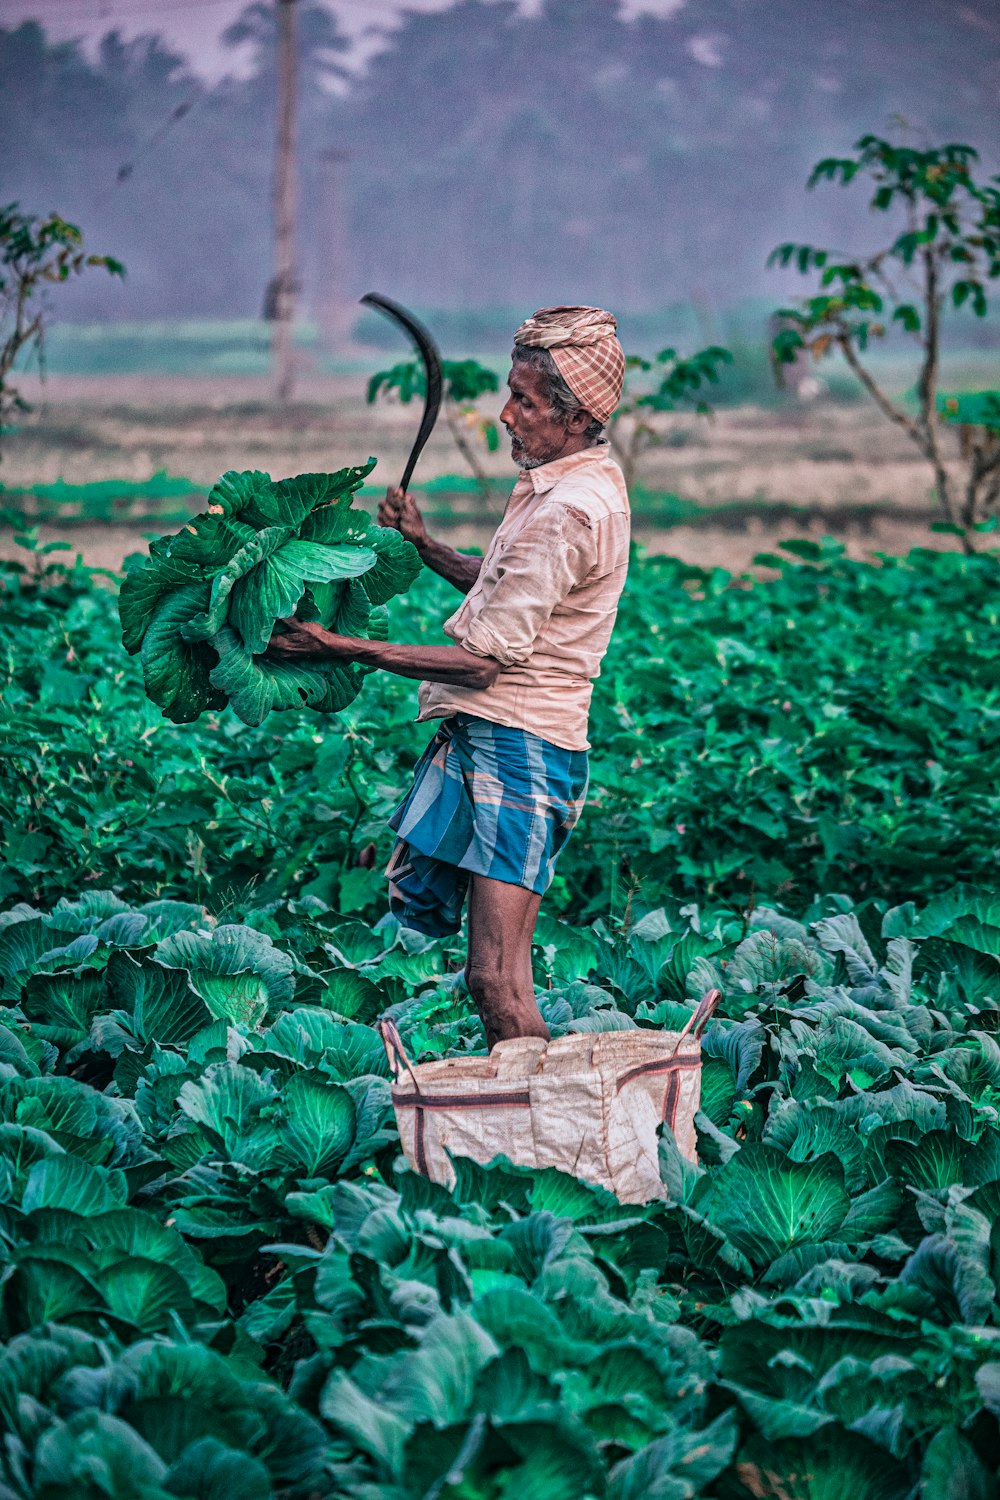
x: 193, y: 26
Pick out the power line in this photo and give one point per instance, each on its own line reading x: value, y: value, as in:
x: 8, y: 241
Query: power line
x: 177, y: 113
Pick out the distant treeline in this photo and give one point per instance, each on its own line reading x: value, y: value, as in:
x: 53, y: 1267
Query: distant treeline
x: 495, y: 158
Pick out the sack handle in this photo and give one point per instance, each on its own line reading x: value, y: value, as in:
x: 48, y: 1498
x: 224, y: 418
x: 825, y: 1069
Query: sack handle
x: 396, y: 1052
x: 701, y: 1016
x: 400, y: 1063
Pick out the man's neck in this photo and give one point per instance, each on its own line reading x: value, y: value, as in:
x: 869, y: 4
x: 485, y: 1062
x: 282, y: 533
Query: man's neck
x: 576, y: 443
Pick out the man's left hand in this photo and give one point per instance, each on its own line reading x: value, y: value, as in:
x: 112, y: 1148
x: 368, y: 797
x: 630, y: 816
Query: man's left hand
x: 299, y: 640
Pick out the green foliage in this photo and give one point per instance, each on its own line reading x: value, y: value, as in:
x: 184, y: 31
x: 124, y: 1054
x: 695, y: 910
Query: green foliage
x: 162, y: 497
x: 664, y: 384
x: 792, y: 737
x: 202, y: 609
x: 679, y: 380
x: 946, y: 252
x: 463, y: 381
x: 828, y: 729
x: 953, y: 223
x: 972, y: 409
x: 34, y: 253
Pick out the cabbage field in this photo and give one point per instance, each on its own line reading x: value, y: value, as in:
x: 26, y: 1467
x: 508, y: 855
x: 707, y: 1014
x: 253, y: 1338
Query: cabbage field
x: 219, y: 1279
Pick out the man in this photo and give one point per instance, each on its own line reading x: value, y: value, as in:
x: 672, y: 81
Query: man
x: 503, y: 782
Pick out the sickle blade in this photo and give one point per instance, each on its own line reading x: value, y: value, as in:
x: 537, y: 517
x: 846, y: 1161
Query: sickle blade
x: 428, y: 352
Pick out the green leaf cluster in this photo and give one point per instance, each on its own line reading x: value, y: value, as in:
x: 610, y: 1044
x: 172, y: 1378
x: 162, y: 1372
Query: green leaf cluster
x: 201, y: 610
x: 810, y: 734
x: 948, y: 214
x: 677, y: 379
x: 216, y: 1271
x: 972, y: 409
x: 464, y: 381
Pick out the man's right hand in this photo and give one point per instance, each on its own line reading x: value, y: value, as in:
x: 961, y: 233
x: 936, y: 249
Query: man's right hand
x: 403, y: 515
x: 400, y: 511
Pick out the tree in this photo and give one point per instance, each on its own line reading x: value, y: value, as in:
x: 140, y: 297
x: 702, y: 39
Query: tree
x: 945, y: 252
x: 34, y: 252
x: 463, y: 382
x: 633, y: 428
x: 321, y: 44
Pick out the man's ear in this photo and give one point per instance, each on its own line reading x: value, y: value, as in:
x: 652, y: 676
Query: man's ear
x: 579, y: 421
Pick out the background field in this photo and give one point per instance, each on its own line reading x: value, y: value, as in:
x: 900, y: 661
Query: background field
x: 716, y: 491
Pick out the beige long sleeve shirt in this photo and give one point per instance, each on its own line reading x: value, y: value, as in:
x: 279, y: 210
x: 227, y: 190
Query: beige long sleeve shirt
x: 545, y: 601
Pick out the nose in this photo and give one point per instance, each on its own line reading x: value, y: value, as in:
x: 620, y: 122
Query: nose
x: 509, y: 413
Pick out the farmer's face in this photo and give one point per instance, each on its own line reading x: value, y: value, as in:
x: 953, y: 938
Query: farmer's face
x: 536, y: 437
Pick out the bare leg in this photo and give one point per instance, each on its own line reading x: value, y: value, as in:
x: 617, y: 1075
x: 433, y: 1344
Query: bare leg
x: 498, y: 970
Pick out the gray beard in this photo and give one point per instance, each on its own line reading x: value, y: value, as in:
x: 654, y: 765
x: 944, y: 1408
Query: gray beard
x: 524, y: 462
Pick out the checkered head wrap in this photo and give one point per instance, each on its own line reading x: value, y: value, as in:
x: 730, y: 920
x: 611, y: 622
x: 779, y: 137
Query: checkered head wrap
x: 583, y: 342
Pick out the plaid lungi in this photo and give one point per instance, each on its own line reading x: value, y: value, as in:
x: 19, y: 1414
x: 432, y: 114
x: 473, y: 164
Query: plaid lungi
x: 486, y: 800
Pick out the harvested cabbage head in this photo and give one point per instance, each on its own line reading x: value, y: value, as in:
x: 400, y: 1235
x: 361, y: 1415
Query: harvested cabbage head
x: 201, y: 609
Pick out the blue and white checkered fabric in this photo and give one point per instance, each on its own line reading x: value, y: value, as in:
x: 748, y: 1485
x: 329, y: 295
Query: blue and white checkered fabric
x: 486, y: 800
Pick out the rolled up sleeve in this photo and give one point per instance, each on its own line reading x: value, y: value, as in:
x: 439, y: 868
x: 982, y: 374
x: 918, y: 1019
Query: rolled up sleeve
x: 551, y: 555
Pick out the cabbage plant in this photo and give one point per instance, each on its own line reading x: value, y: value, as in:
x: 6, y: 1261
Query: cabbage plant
x: 201, y: 609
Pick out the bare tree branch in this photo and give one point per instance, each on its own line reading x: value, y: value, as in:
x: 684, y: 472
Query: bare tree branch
x: 453, y: 418
x: 980, y: 495
x: 882, y: 401
x: 927, y: 385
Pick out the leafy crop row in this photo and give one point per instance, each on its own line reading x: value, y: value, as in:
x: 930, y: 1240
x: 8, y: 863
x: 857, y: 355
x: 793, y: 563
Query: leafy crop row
x: 833, y: 729
x: 218, y: 1278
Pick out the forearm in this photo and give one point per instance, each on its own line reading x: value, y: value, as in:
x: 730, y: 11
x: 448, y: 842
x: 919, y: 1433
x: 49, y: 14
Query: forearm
x: 456, y: 567
x: 448, y: 664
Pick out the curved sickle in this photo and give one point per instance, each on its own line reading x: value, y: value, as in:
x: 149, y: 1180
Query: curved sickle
x: 427, y: 350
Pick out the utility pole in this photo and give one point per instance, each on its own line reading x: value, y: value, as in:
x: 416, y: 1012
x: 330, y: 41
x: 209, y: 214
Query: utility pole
x: 284, y: 284
x: 333, y: 312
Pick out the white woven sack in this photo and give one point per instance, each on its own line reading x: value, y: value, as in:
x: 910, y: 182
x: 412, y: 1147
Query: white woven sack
x: 589, y: 1104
